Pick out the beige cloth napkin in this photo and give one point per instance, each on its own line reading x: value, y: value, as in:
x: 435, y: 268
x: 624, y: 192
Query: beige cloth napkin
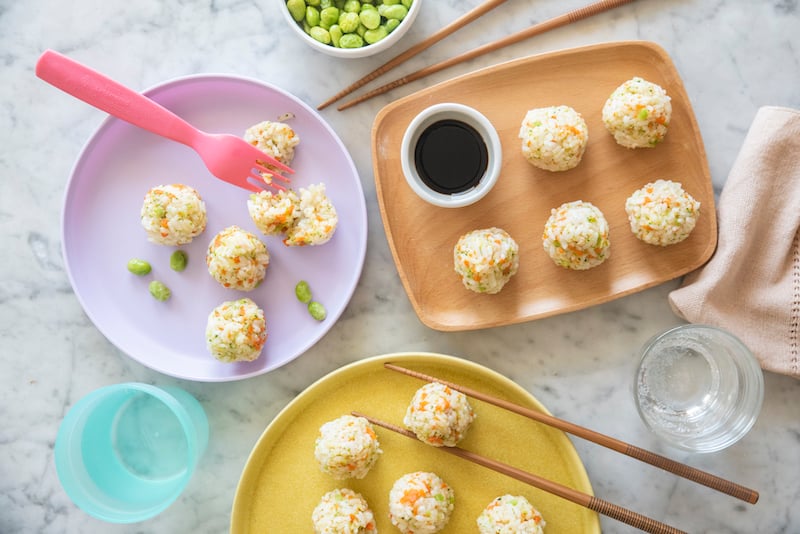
x: 751, y: 285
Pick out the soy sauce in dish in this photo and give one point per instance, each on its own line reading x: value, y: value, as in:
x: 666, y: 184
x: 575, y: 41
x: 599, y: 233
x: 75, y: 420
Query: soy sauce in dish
x: 450, y: 156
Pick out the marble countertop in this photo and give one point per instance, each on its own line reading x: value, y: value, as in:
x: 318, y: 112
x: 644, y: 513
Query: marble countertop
x: 733, y: 55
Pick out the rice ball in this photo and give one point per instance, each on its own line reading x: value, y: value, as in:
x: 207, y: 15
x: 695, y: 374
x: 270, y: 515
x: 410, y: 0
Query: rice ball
x: 343, y: 511
x: 510, y: 514
x: 236, y: 331
x: 347, y: 447
x: 420, y: 503
x: 316, y: 220
x: 486, y: 259
x: 274, y: 213
x: 439, y: 415
x: 662, y: 213
x: 173, y: 214
x: 237, y: 259
x: 637, y: 113
x: 554, y: 138
x: 275, y: 139
x: 576, y: 236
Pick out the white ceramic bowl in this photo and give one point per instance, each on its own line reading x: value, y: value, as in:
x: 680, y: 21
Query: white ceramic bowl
x: 473, y: 118
x: 368, y: 50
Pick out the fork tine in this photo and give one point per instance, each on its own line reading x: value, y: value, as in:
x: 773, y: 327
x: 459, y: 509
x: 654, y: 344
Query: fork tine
x: 271, y: 172
x: 261, y: 183
x: 269, y: 160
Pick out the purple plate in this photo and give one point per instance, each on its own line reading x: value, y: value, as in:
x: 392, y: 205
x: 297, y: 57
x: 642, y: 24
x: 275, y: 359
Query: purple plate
x: 101, y: 232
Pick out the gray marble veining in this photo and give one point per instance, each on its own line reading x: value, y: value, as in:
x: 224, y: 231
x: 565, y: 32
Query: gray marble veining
x: 733, y: 55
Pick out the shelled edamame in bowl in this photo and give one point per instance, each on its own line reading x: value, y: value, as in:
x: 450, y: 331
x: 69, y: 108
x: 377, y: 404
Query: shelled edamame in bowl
x: 350, y: 28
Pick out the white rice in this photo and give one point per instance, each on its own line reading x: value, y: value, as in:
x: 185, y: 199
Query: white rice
x: 274, y: 213
x: 662, y: 213
x: 237, y: 259
x: 637, y: 113
x: 554, y: 138
x: 343, y: 511
x: 576, y: 236
x: 236, y: 331
x: 420, y: 503
x: 275, y: 139
x: 486, y: 259
x: 510, y: 514
x: 439, y: 415
x: 347, y: 447
x: 173, y: 214
x: 316, y: 219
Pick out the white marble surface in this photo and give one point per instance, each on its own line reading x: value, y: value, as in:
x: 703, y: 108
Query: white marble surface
x: 733, y: 55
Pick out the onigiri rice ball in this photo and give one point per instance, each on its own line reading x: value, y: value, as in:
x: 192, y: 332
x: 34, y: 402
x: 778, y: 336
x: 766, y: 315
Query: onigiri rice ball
x: 173, y: 214
x: 554, y: 138
x: 486, y: 259
x: 347, y: 447
x: 237, y: 259
x: 236, y: 331
x: 510, y: 514
x: 343, y: 511
x: 274, y: 213
x: 276, y: 139
x: 439, y: 415
x: 637, y: 113
x: 316, y: 219
x: 662, y: 213
x: 420, y: 503
x: 576, y: 236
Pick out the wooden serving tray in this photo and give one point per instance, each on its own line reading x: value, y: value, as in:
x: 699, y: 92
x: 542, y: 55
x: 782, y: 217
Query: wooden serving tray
x: 422, y: 236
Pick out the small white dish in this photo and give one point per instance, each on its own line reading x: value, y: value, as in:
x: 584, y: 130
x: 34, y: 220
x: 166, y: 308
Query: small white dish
x: 365, y: 51
x: 465, y: 115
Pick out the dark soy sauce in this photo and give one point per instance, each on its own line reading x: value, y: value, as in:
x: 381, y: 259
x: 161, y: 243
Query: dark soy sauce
x: 450, y: 156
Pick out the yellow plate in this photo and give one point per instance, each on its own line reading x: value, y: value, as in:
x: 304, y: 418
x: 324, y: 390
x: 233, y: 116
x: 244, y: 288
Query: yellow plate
x: 282, y: 483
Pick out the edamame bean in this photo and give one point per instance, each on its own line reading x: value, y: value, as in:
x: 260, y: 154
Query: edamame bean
x: 178, y: 260
x: 397, y: 11
x: 373, y: 36
x: 297, y: 8
x: 317, y: 311
x: 328, y: 17
x: 370, y: 18
x: 303, y: 292
x: 349, y: 22
x: 159, y: 291
x: 139, y: 267
x: 320, y: 34
x: 312, y: 16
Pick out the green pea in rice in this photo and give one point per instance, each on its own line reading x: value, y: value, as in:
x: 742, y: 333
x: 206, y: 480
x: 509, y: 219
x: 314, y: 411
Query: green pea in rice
x: 554, y: 138
x: 576, y: 236
x: 662, y: 213
x: 637, y: 113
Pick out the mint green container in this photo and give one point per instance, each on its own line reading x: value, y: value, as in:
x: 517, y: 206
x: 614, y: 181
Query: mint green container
x: 125, y: 452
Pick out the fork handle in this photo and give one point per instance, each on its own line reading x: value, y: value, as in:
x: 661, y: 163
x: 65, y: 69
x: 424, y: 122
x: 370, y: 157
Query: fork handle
x: 112, y: 97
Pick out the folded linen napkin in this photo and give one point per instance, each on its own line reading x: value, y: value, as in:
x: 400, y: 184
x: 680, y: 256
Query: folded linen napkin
x: 751, y: 285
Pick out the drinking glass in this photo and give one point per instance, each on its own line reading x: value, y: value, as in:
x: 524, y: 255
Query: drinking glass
x: 698, y: 387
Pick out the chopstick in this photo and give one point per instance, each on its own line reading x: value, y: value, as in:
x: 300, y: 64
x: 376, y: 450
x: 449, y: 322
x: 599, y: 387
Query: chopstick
x: 696, y: 475
x: 596, y: 504
x: 561, y: 20
x: 457, y: 24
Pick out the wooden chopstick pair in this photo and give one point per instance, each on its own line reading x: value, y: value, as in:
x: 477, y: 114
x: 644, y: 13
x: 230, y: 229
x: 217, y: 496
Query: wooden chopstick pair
x: 593, y: 503
x: 561, y: 20
x: 600, y: 506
